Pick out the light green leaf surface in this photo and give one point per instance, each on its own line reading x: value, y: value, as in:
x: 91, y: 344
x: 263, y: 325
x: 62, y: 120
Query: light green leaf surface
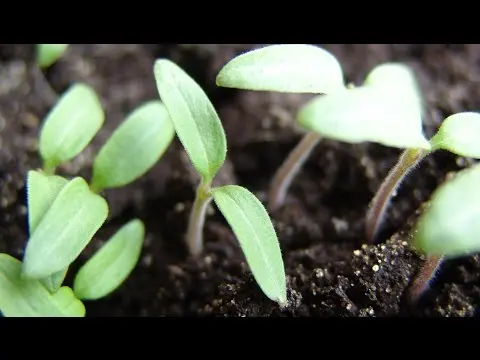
x: 41, y: 192
x: 48, y: 54
x: 65, y: 230
x: 460, y: 134
x: 365, y: 114
x: 68, y: 302
x: 399, y: 79
x: 112, y: 264
x: 291, y: 68
x: 254, y: 230
x: 195, y: 120
x: 450, y: 225
x: 21, y: 297
x: 70, y: 125
x: 135, y: 146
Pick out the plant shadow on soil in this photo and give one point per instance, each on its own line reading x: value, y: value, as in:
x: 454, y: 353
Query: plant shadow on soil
x: 329, y: 270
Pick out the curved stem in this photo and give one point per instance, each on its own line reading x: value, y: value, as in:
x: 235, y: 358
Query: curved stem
x: 422, y: 280
x: 285, y: 174
x: 197, y: 220
x: 407, y: 161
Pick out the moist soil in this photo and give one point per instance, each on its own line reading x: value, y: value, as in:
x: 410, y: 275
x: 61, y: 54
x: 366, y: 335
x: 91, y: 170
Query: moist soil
x: 330, y: 270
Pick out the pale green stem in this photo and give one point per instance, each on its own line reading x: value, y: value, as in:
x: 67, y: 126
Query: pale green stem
x: 49, y: 168
x: 407, y: 161
x: 285, y: 174
x: 197, y: 219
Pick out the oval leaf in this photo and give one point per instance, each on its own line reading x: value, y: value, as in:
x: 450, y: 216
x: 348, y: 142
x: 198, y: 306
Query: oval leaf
x: 22, y: 297
x: 398, y: 78
x: 112, y: 264
x: 65, y: 230
x: 48, y: 54
x: 195, y: 120
x: 459, y: 134
x: 70, y: 125
x: 135, y: 146
x: 291, y: 68
x: 365, y: 114
x: 450, y: 225
x: 252, y: 226
x: 41, y: 192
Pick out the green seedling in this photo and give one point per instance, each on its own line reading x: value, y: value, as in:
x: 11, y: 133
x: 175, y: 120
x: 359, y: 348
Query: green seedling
x: 448, y: 227
x: 200, y: 131
x: 386, y: 109
x: 457, y: 134
x: 48, y: 54
x: 64, y: 214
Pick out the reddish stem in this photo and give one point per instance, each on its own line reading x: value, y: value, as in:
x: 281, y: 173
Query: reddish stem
x: 425, y: 275
x: 285, y: 174
x: 376, y: 211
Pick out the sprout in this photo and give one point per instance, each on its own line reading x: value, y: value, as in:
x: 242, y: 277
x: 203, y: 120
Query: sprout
x: 48, y: 54
x: 456, y: 135
x: 386, y: 109
x: 64, y: 215
x: 199, y: 129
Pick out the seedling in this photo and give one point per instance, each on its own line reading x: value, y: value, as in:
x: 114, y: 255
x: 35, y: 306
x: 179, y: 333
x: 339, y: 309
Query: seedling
x: 48, y: 54
x: 64, y: 214
x: 386, y: 109
x: 200, y: 131
x: 449, y: 226
x: 457, y: 134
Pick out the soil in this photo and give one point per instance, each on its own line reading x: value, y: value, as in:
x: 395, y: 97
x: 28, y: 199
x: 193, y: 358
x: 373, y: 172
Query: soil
x: 330, y: 271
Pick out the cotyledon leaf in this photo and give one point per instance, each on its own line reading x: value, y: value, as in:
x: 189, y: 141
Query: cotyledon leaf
x: 111, y: 265
x: 70, y: 125
x: 254, y: 230
x: 460, y: 134
x: 41, y: 192
x: 22, y: 297
x: 450, y: 224
x: 135, y: 146
x: 196, y: 121
x: 291, y: 68
x: 365, y: 114
x: 67, y: 227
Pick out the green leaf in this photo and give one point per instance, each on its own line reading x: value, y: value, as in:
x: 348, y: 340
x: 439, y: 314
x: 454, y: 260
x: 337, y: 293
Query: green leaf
x: 450, y: 225
x: 365, y: 114
x: 65, y: 230
x: 135, y: 146
x: 70, y: 125
x: 66, y: 300
x: 21, y: 297
x: 398, y: 78
x: 41, y: 192
x: 291, y: 68
x: 252, y: 226
x: 112, y: 264
x: 47, y: 54
x: 195, y: 120
x: 459, y: 134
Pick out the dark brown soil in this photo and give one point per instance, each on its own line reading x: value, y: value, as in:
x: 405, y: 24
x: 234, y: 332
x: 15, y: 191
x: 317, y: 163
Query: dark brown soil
x: 330, y: 271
